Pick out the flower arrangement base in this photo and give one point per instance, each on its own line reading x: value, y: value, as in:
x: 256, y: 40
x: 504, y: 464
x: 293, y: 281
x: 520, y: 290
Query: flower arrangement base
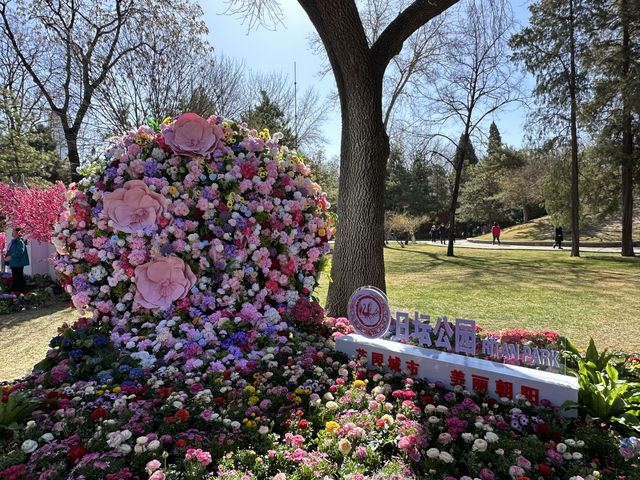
x: 497, y: 380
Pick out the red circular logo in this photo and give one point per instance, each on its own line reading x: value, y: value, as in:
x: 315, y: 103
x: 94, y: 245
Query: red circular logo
x: 368, y: 312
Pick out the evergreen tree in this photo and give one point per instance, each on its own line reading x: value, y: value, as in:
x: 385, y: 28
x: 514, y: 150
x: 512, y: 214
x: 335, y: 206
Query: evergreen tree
x: 495, y: 140
x: 269, y: 115
x: 614, y: 63
x: 550, y: 49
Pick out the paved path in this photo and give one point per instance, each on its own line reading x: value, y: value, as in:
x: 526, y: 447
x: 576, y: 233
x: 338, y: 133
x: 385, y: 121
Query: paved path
x: 566, y: 248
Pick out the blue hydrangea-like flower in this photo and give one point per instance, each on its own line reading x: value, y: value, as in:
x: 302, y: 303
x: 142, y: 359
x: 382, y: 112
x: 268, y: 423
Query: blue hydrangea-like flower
x: 76, y: 353
x: 135, y: 373
x: 55, y: 341
x: 67, y: 342
x: 124, y: 368
x: 100, y: 342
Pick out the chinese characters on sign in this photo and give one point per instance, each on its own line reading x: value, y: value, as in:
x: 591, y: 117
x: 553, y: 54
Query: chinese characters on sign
x: 480, y: 376
x: 418, y: 327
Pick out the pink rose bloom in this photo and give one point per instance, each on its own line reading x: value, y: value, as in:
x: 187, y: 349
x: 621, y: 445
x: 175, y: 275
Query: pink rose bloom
x: 162, y: 281
x: 158, y: 475
x: 191, y: 135
x: 133, y: 207
x: 153, y: 465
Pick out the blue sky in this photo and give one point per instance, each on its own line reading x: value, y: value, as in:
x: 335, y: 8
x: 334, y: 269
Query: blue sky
x: 277, y: 50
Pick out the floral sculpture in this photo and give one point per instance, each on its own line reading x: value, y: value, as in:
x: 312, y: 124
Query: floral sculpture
x: 197, y: 242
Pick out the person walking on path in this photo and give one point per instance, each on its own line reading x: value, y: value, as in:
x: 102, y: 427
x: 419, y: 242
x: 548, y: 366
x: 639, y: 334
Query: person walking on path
x: 495, y: 231
x: 434, y: 233
x: 443, y: 233
x: 17, y: 258
x: 559, y: 238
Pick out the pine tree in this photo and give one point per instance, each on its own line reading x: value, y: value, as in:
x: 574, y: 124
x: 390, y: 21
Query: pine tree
x: 550, y: 49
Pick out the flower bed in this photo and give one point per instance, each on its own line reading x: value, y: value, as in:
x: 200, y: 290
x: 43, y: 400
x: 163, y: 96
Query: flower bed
x: 195, y: 246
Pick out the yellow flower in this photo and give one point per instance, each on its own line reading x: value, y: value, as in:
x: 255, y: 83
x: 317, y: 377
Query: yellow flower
x: 166, y: 120
x: 299, y: 391
x: 332, y: 427
x: 230, y: 203
x: 172, y: 190
x: 250, y: 389
x: 197, y: 320
x: 253, y: 400
x: 116, y: 390
x: 359, y: 384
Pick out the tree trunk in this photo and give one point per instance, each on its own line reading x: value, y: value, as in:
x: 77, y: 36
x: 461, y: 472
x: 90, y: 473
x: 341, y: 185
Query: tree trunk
x: 358, y: 257
x: 627, y: 141
x: 71, y: 136
x: 575, y: 199
x: 358, y: 68
x: 525, y: 213
x: 453, y: 206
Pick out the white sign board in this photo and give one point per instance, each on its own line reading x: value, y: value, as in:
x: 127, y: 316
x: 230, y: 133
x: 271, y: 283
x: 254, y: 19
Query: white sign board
x: 498, y: 380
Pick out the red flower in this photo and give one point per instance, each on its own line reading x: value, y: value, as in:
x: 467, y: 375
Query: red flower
x: 544, y: 469
x: 542, y: 429
x: 181, y: 443
x: 303, y: 424
x: 219, y: 400
x: 427, y: 399
x: 556, y: 437
x: 99, y: 413
x: 182, y: 415
x: 76, y: 452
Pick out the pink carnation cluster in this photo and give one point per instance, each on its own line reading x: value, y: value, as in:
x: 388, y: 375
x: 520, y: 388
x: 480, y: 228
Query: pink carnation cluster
x: 193, y: 240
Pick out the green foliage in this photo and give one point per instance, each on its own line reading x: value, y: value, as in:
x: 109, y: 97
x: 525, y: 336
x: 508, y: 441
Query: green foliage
x: 15, y: 410
x: 27, y: 147
x: 603, y: 395
x: 415, y: 187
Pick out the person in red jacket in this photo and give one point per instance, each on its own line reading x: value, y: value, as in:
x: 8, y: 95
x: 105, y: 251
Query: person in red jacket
x: 495, y: 230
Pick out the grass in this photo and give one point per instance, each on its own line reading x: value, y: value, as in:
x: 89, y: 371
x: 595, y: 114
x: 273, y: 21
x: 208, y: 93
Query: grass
x: 24, y: 337
x: 595, y: 295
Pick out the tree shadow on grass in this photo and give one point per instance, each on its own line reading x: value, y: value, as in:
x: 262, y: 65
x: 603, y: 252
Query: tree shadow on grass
x: 15, y: 319
x: 563, y: 272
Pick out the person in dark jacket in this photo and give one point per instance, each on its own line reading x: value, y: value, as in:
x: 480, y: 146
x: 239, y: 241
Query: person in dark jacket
x: 17, y: 258
x: 559, y: 238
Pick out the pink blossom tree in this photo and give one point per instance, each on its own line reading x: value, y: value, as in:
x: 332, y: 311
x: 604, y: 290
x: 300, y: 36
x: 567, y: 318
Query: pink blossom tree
x: 34, y: 210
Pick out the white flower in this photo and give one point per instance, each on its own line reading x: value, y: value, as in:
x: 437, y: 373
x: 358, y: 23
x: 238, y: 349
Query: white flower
x: 263, y: 430
x: 561, y: 448
x: 344, y: 446
x: 491, y: 437
x: 29, y: 446
x: 433, y: 453
x: 467, y: 437
x: 570, y: 442
x: 47, y: 437
x: 480, y: 445
x: 433, y: 419
x: 577, y: 456
x: 445, y: 457
x: 153, y: 445
x: 442, y: 409
x: 332, y: 406
x: 567, y: 455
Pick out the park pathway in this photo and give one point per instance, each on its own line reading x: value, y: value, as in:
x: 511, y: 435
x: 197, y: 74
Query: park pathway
x: 464, y: 243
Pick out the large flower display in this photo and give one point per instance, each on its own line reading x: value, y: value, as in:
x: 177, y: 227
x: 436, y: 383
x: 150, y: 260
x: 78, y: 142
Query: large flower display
x: 194, y: 241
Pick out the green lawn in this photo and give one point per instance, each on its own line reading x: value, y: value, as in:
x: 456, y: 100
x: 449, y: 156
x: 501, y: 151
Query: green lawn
x: 595, y: 295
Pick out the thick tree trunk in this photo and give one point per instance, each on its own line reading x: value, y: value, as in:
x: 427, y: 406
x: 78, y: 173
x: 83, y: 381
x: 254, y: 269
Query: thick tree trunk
x: 358, y: 256
x: 525, y: 213
x: 627, y: 142
x: 575, y: 198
